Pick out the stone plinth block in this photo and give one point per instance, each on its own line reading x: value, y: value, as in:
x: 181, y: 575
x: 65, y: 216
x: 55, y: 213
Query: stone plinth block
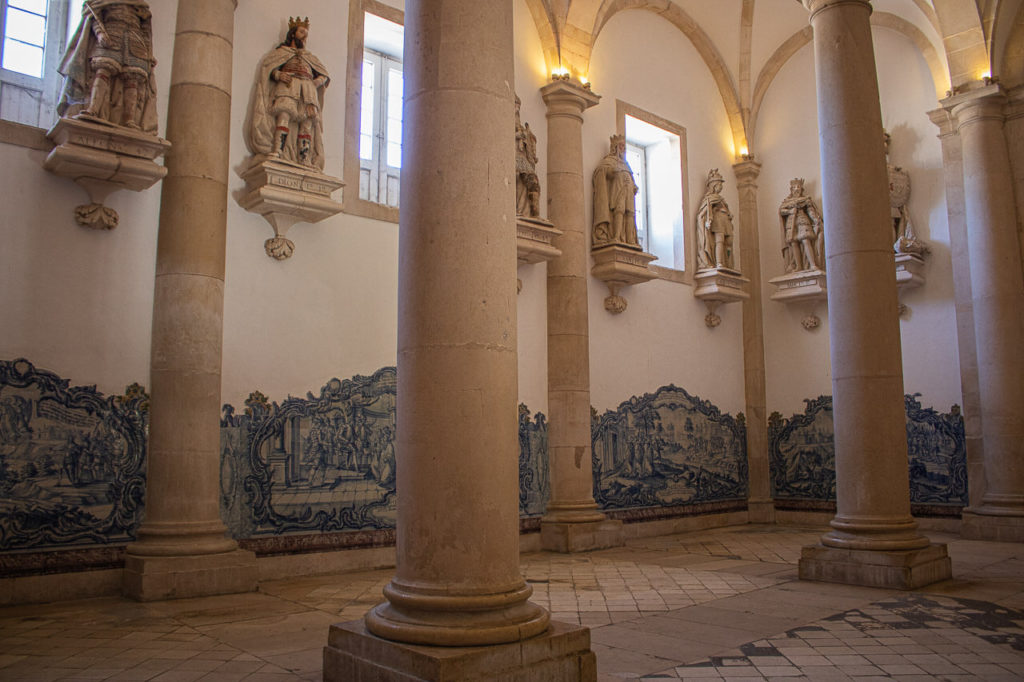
x: 152, y: 578
x: 285, y: 194
x: 556, y: 536
x: 806, y: 285
x: 562, y: 653
x: 716, y: 286
x: 909, y: 270
x: 534, y: 240
x: 618, y: 266
x: 901, y: 570
x: 102, y: 159
x: 995, y: 527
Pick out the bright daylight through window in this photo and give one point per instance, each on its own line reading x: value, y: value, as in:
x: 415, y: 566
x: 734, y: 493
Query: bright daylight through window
x: 380, y: 121
x: 35, y: 33
x: 654, y: 154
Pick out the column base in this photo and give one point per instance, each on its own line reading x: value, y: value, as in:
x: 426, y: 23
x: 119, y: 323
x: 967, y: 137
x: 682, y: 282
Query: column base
x: 561, y: 653
x: 976, y: 524
x: 894, y: 569
x: 151, y: 578
x: 558, y: 536
x: 760, y: 511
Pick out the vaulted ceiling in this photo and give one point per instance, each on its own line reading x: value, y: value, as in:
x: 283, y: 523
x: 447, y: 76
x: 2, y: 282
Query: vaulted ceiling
x: 962, y: 41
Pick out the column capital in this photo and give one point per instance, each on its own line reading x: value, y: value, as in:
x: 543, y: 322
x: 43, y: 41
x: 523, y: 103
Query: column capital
x: 564, y: 97
x: 815, y: 6
x: 944, y: 121
x: 987, y: 102
x: 747, y: 172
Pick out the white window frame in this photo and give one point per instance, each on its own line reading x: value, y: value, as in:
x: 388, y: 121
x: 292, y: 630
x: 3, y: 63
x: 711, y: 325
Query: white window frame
x: 378, y: 179
x: 683, y: 248
x: 642, y: 203
x: 354, y: 166
x: 46, y: 88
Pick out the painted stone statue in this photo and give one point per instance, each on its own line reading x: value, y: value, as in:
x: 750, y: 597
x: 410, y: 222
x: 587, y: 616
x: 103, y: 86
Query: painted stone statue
x: 714, y: 226
x: 285, y: 114
x: 108, y: 67
x: 803, y: 234
x: 527, y: 184
x: 905, y: 239
x: 615, y: 198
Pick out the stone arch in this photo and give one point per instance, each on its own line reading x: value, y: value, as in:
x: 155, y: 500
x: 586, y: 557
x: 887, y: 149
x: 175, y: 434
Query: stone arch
x: 547, y: 28
x: 701, y: 42
x: 1009, y: 57
x: 803, y: 37
x: 964, y: 40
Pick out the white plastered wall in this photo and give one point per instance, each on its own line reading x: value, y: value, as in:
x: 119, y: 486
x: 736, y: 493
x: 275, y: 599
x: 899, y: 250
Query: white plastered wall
x: 75, y: 301
x: 531, y: 75
x: 331, y: 309
x: 797, y: 361
x: 661, y: 338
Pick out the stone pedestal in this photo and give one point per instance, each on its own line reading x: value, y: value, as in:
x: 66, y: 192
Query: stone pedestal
x: 806, y: 288
x: 561, y: 653
x: 900, y: 570
x: 181, y: 577
x: 717, y: 286
x: 981, y: 523
x: 580, y: 537
x: 534, y: 240
x: 618, y: 266
x: 806, y: 285
x: 102, y: 159
x: 285, y: 194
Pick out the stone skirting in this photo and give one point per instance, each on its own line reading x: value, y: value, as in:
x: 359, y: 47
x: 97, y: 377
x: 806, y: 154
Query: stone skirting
x: 929, y: 511
x: 645, y: 514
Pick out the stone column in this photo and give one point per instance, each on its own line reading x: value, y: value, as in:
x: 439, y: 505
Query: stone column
x: 572, y: 522
x: 997, y: 290
x: 760, y: 506
x: 182, y: 550
x: 953, y: 172
x: 457, y: 582
x: 874, y: 540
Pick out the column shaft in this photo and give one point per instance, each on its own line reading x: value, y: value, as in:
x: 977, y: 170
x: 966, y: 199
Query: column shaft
x: 997, y: 289
x: 182, y: 549
x: 569, y: 445
x: 457, y: 581
x: 760, y: 506
x: 952, y: 166
x: 873, y: 498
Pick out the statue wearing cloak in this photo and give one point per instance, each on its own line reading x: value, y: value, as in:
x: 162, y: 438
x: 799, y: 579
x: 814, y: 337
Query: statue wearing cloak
x: 615, y: 198
x: 289, y: 87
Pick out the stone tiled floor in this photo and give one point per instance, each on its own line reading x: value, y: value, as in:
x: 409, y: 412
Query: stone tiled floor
x: 721, y: 604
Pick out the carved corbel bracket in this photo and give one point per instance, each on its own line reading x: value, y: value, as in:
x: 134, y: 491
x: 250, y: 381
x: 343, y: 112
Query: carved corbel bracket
x: 716, y: 286
x: 805, y: 287
x: 618, y: 266
x: 535, y: 242
x: 285, y: 194
x: 102, y: 159
x: 909, y: 275
x: 909, y: 271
